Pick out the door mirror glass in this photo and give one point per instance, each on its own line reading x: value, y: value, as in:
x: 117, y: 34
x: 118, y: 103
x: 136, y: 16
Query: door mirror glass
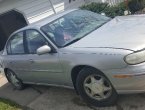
x: 43, y: 50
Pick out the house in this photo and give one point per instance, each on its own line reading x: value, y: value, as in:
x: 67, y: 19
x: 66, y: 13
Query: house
x: 15, y: 14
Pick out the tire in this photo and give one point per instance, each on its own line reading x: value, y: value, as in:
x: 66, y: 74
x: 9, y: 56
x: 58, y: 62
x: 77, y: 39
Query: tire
x: 91, y: 90
x: 14, y: 80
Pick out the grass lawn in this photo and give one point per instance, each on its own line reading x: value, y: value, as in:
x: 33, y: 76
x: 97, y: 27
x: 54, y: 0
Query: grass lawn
x: 8, y: 105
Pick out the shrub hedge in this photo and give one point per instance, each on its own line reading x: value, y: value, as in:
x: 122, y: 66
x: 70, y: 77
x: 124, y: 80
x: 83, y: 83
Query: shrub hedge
x: 117, y: 10
x: 110, y: 11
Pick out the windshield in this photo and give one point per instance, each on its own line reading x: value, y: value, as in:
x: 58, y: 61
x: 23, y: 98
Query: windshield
x: 73, y: 26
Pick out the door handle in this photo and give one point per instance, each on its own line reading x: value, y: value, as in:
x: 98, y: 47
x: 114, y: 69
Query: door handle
x: 31, y: 61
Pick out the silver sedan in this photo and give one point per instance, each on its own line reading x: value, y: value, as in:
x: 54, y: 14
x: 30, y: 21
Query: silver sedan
x: 97, y: 56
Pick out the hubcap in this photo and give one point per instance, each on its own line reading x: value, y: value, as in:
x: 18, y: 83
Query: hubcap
x: 13, y: 79
x: 97, y: 87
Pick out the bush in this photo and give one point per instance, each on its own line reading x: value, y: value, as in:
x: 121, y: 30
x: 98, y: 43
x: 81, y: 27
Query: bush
x: 117, y: 10
x: 136, y: 5
x: 110, y: 11
x: 95, y: 7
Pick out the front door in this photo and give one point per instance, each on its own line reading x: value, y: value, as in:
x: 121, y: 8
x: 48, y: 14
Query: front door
x: 44, y: 68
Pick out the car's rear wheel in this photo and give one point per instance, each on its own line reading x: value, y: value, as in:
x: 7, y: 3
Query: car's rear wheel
x: 13, y: 79
x: 95, y: 88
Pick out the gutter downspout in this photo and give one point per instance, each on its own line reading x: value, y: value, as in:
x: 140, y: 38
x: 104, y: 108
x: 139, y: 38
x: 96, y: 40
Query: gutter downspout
x: 52, y: 6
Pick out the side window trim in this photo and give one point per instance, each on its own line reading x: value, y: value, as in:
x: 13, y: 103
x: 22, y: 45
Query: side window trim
x: 25, y: 43
x: 9, y: 45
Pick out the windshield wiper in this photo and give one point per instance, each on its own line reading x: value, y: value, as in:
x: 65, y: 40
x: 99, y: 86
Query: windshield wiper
x: 71, y: 42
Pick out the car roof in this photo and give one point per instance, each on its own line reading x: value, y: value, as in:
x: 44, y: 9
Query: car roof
x: 45, y: 21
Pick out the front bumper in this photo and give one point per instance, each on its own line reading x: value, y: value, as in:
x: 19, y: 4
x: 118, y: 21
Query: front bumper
x: 133, y: 83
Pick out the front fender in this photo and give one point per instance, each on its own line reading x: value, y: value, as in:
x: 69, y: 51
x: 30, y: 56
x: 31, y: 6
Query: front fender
x: 100, y: 58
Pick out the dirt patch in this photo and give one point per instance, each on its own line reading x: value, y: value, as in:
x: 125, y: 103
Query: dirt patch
x: 78, y: 101
x: 118, y: 107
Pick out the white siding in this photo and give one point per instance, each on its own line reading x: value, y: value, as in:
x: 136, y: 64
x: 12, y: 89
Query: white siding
x: 61, y: 5
x: 35, y: 10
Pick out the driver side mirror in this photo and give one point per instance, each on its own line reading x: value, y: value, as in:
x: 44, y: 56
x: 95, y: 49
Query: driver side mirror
x: 43, y: 50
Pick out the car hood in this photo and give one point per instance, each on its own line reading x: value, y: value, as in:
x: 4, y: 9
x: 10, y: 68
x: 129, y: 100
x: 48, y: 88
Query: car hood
x: 126, y: 32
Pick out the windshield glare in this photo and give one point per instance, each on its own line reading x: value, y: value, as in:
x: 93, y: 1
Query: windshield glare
x: 72, y: 26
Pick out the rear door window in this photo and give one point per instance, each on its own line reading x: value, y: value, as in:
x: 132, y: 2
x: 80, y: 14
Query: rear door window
x: 16, y: 44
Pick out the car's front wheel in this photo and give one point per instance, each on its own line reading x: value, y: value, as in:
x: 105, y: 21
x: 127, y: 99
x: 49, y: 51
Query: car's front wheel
x: 13, y: 79
x: 95, y: 88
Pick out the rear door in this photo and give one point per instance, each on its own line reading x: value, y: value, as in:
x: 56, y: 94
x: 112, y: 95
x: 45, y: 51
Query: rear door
x: 16, y: 58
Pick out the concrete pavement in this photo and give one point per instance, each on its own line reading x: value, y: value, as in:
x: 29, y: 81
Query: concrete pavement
x: 52, y: 98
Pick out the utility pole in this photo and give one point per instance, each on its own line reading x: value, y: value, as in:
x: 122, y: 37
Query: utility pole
x: 52, y: 6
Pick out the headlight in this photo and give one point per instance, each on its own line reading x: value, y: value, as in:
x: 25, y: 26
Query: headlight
x: 135, y: 58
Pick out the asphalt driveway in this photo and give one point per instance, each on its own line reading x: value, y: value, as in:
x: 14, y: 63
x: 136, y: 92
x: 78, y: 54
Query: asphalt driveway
x: 52, y: 98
